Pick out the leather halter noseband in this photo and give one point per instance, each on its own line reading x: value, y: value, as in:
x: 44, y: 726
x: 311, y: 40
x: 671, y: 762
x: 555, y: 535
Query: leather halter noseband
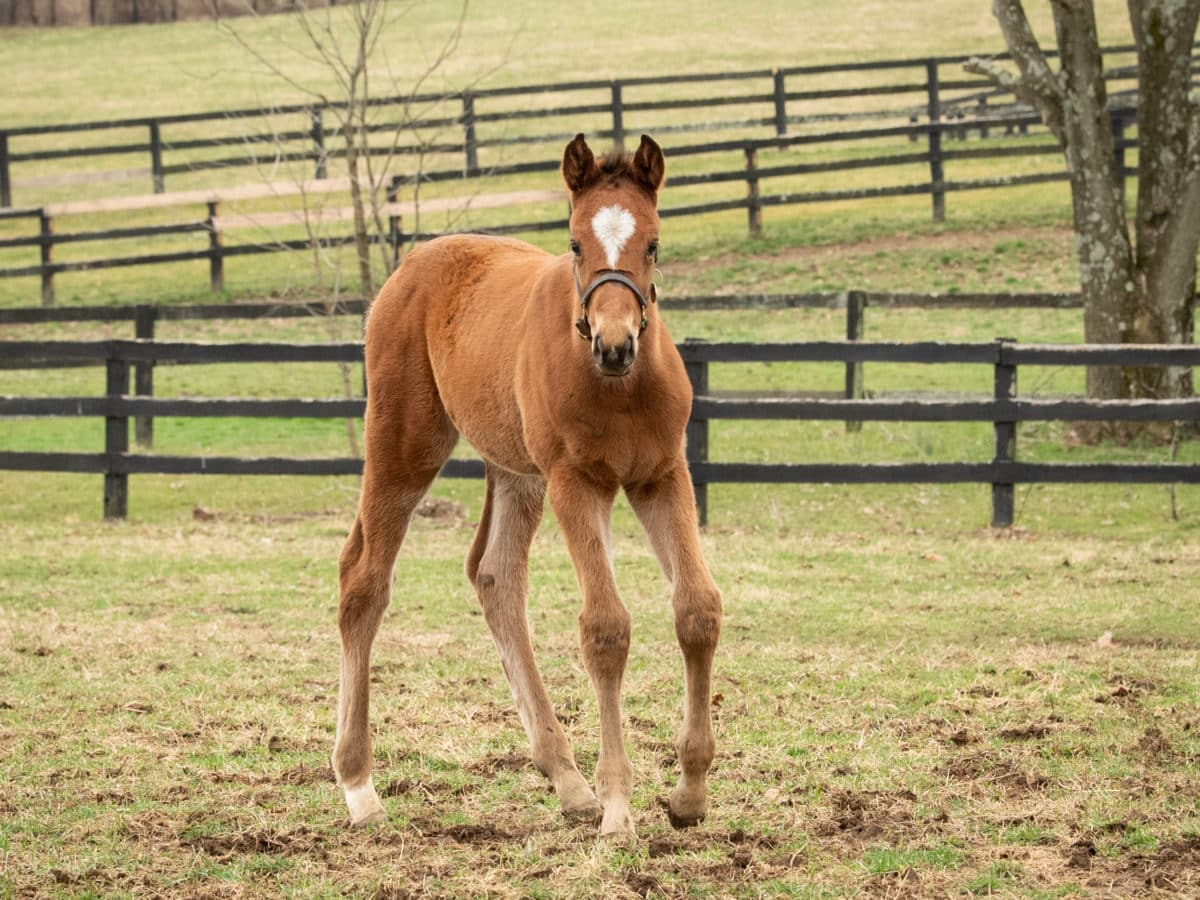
x: 585, y: 296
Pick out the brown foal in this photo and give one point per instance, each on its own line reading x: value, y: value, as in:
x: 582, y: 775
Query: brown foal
x: 480, y: 337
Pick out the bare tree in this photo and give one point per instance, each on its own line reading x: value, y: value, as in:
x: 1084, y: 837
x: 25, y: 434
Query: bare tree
x: 1141, y: 290
x: 356, y: 59
x: 369, y: 99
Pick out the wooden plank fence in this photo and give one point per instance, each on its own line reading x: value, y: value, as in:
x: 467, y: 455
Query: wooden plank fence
x: 855, y: 303
x: 757, y: 196
x: 775, y: 100
x: 1004, y: 410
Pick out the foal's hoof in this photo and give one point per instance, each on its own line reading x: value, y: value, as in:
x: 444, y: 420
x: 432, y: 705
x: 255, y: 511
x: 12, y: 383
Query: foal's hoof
x: 682, y: 812
x: 365, y: 808
x: 617, y: 827
x: 587, y: 812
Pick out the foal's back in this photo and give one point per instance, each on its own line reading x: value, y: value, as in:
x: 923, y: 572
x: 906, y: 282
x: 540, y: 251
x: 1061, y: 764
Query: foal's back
x: 445, y: 332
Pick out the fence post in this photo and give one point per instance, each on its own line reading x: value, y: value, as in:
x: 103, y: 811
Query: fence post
x: 470, y: 148
x: 5, y: 178
x: 697, y: 430
x: 856, y: 302
x: 780, y: 103
x: 317, y: 120
x: 981, y: 111
x: 618, y: 117
x: 753, y: 207
x: 216, y: 254
x: 1006, y: 436
x: 143, y: 372
x: 936, y: 176
x: 46, y: 246
x: 156, y: 165
x: 116, y: 440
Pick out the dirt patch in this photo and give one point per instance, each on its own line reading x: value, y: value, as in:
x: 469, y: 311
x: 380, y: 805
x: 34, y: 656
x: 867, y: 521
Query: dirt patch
x: 301, y: 774
x: 501, y: 762
x: 1026, y: 732
x: 984, y: 767
x: 402, y: 787
x: 1173, y: 869
x: 1154, y: 743
x: 866, y: 815
x: 1079, y: 854
x: 223, y: 846
x: 473, y: 835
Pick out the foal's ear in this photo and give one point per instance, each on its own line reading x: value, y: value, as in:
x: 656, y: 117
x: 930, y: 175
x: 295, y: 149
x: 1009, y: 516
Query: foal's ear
x: 578, y: 165
x: 649, y: 164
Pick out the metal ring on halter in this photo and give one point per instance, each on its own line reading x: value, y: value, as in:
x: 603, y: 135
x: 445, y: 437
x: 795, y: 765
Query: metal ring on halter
x: 581, y: 324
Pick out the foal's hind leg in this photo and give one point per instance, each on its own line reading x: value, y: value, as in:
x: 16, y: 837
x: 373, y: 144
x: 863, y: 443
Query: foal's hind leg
x: 498, y: 566
x: 667, y: 510
x: 396, y: 475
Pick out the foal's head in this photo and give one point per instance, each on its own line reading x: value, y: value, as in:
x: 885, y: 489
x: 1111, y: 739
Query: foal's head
x: 614, y: 242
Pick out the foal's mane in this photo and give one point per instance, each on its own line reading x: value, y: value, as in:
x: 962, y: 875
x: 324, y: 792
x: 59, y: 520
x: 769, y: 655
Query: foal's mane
x: 617, y: 164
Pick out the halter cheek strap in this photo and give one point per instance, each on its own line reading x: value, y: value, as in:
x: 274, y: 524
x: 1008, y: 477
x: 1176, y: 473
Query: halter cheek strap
x: 585, y: 296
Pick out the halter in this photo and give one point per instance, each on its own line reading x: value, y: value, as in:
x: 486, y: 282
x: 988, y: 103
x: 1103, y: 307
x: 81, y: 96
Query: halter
x: 585, y: 296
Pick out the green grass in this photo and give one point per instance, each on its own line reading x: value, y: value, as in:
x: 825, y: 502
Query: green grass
x: 911, y: 704
x: 200, y: 62
x: 168, y: 707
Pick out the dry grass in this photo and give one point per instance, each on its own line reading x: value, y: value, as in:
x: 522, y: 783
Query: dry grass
x: 904, y: 709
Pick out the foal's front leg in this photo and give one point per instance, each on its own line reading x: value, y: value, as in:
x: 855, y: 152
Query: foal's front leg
x: 583, y: 509
x: 667, y: 510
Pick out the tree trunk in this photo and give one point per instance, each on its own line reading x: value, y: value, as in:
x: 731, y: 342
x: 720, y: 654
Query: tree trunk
x: 1101, y: 232
x: 1167, y: 206
x: 1147, y: 296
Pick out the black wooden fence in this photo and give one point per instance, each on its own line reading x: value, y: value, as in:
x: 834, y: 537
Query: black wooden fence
x: 855, y: 304
x: 768, y: 110
x: 762, y: 187
x: 482, y: 120
x: 1004, y: 410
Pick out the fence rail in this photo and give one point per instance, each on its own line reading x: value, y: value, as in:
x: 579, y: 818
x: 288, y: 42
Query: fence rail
x: 763, y: 187
x: 1003, y: 410
x: 855, y: 303
x: 776, y: 113
x: 774, y: 99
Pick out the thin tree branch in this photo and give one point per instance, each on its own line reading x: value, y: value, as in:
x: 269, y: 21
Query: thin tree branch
x: 1038, y: 86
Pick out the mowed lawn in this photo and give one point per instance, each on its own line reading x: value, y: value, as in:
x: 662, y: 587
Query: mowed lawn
x: 907, y: 702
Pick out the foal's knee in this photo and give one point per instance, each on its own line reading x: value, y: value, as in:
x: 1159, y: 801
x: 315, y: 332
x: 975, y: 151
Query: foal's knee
x: 604, y: 640
x: 698, y: 621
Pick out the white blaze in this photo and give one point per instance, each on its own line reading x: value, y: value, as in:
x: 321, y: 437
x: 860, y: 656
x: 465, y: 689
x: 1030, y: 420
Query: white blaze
x: 613, y: 226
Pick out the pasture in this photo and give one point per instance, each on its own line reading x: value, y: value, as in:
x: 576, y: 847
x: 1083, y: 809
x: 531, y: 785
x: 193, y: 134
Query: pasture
x: 908, y: 703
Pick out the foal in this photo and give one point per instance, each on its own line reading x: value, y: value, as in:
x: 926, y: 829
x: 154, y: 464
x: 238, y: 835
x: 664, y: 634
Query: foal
x: 480, y: 337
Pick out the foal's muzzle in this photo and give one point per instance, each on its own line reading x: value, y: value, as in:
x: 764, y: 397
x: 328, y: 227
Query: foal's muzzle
x: 615, y: 360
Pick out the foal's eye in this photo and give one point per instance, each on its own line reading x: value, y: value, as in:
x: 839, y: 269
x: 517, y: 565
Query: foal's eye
x: 652, y: 249
x: 574, y: 245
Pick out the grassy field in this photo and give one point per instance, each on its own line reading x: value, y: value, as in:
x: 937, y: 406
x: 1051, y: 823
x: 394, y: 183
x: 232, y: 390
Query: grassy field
x: 200, y: 62
x: 200, y: 66
x: 909, y: 703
